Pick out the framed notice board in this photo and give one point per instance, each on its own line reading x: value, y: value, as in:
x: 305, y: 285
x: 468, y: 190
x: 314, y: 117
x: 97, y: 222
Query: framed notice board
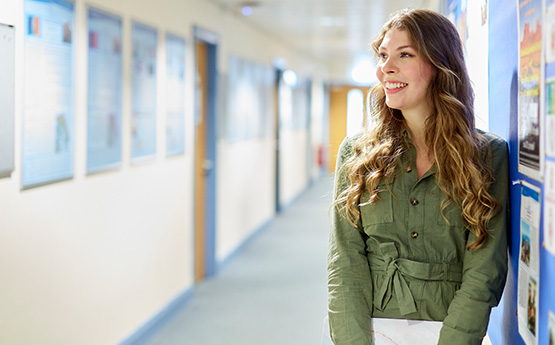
x: 7, y: 61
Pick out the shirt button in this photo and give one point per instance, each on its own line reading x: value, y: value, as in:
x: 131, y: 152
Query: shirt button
x: 408, y: 169
x: 414, y: 202
x: 414, y: 235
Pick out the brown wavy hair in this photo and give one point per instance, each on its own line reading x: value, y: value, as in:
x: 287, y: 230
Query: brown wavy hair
x: 459, y: 151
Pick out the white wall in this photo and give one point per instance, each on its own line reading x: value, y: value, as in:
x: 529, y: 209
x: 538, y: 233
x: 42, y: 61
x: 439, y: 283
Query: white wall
x: 293, y: 164
x: 246, y: 191
x: 91, y: 259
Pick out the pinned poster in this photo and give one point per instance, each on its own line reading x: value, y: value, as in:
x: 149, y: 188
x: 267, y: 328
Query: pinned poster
x: 105, y: 89
x: 529, y: 264
x: 143, y: 92
x: 530, y: 88
x: 175, y: 95
x: 550, y: 80
x: 549, y: 207
x: 48, y: 133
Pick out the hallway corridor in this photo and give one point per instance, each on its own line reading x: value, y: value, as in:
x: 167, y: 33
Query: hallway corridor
x: 272, y: 292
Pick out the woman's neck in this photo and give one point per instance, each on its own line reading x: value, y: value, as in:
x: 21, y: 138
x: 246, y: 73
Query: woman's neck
x: 416, y: 125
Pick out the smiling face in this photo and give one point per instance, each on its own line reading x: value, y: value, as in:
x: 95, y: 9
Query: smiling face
x: 403, y: 73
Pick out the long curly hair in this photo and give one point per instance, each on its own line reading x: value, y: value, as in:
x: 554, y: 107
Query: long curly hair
x: 459, y: 151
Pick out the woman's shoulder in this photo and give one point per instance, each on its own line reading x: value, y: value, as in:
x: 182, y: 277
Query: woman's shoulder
x: 346, y: 148
x: 496, y: 143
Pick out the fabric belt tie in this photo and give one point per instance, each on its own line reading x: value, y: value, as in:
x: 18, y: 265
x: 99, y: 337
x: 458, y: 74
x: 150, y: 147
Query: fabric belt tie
x: 396, y: 269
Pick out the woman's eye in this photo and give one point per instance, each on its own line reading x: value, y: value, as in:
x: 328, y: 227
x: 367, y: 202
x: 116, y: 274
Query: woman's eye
x: 382, y: 56
x: 405, y: 55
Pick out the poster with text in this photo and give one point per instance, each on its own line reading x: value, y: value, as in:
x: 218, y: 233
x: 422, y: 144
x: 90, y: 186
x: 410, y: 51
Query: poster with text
x: 48, y: 110
x: 471, y: 20
x: 175, y: 95
x: 530, y: 68
x: 529, y: 263
x: 105, y: 77
x: 549, y: 207
x: 550, y: 79
x: 143, y: 76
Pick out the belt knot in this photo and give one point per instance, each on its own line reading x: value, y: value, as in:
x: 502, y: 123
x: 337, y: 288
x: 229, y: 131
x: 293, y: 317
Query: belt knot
x: 394, y: 280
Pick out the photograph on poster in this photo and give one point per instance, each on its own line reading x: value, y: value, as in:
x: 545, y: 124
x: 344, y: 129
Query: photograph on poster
x: 532, y: 306
x: 529, y: 91
x: 525, y: 243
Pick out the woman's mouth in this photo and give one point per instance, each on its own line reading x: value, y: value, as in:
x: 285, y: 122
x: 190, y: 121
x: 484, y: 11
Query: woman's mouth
x: 392, y: 87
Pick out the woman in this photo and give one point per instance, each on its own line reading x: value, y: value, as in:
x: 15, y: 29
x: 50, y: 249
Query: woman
x: 420, y: 214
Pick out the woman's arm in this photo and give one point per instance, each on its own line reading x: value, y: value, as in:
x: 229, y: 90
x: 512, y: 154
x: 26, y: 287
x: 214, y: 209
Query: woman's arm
x: 349, y: 281
x: 484, y: 269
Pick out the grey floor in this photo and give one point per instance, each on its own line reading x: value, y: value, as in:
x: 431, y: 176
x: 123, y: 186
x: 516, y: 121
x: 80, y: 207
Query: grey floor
x: 272, y: 292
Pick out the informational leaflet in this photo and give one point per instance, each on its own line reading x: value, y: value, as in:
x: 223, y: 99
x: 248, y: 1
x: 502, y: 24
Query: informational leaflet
x: 48, y: 133
x: 550, y: 81
x: 549, y: 207
x: 143, y: 76
x: 105, y: 75
x: 530, y: 89
x: 529, y: 263
x: 175, y: 95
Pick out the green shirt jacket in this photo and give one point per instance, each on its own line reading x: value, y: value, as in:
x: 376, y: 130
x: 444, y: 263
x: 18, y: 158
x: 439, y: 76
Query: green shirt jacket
x: 405, y: 261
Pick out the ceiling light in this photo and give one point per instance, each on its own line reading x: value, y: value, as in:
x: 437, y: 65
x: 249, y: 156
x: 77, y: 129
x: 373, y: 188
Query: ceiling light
x: 290, y: 77
x: 246, y: 10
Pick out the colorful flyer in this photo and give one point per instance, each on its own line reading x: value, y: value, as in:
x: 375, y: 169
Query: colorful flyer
x: 529, y: 264
x: 530, y: 88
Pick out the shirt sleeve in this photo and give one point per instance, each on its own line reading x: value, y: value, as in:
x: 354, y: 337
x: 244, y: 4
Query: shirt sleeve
x: 349, y: 281
x: 484, y: 269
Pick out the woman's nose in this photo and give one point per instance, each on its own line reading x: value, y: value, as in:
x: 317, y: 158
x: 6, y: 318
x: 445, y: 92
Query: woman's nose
x: 388, y: 66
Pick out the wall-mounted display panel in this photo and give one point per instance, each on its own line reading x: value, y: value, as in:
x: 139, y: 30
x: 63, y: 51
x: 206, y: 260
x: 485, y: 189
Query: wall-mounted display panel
x: 7, y: 84
x: 105, y: 85
x: 143, y: 82
x: 48, y: 111
x: 175, y: 95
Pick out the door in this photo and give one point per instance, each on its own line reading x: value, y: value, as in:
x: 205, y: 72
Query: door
x: 338, y: 118
x: 205, y: 154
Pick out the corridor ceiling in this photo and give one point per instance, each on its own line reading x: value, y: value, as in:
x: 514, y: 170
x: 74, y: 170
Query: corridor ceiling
x: 335, y: 32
